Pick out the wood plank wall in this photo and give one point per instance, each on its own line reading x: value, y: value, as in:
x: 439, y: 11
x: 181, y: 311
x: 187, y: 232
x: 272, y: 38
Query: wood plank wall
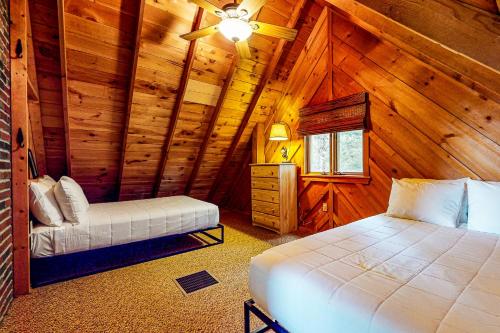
x: 305, y: 24
x: 159, y: 66
x: 106, y: 151
x: 247, y: 76
x: 425, y: 123
x: 161, y: 60
x: 98, y: 39
x: 99, y: 45
x: 44, y: 25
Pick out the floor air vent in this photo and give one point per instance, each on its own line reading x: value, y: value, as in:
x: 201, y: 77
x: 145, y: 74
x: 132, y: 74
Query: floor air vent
x: 196, y: 281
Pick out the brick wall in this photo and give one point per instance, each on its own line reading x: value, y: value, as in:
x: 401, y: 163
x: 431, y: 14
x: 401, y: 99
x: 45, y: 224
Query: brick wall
x: 5, y: 165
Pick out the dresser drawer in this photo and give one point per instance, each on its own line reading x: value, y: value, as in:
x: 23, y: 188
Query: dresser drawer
x: 266, y: 220
x: 271, y: 171
x: 269, y: 208
x: 266, y: 183
x: 266, y: 195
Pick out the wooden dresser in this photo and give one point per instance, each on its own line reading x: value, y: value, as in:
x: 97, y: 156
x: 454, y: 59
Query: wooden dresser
x: 274, y: 196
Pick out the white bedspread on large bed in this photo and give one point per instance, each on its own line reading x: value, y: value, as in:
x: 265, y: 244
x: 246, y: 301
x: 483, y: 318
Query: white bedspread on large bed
x: 124, y: 222
x: 382, y: 274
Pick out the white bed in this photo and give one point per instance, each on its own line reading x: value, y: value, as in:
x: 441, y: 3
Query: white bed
x: 124, y: 222
x: 382, y: 274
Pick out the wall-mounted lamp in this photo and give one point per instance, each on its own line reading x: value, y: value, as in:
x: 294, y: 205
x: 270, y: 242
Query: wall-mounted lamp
x: 279, y: 132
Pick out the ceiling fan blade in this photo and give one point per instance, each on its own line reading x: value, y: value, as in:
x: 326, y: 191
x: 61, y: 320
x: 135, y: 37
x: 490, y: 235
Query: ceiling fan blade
x: 208, y: 7
x: 201, y: 33
x: 251, y: 6
x: 243, y: 49
x: 274, y: 30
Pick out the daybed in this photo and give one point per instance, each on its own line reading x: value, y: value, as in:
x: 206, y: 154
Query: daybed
x: 78, y: 238
x: 117, y: 223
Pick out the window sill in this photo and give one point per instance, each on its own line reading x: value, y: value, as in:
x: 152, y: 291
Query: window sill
x: 347, y: 179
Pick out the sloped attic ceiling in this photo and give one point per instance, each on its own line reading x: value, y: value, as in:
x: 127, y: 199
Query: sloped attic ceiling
x: 136, y: 113
x: 130, y: 112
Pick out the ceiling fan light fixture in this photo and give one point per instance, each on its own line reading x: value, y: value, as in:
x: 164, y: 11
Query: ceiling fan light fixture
x: 235, y: 29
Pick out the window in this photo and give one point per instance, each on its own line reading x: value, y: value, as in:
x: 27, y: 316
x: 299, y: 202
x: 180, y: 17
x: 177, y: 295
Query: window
x: 336, y: 153
x: 320, y: 147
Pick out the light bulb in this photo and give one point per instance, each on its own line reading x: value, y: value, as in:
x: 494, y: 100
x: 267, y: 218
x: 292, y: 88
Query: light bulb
x: 235, y: 30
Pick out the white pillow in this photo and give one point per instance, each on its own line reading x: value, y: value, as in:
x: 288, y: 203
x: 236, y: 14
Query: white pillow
x: 48, y: 180
x: 484, y: 206
x: 437, y: 203
x: 463, y: 181
x: 43, y: 204
x: 72, y: 201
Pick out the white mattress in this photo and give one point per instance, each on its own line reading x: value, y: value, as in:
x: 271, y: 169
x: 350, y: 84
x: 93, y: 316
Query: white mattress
x: 124, y: 222
x: 382, y: 274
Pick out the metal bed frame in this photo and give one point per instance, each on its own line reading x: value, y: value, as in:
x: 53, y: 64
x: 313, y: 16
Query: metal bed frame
x: 270, y: 324
x: 46, y: 270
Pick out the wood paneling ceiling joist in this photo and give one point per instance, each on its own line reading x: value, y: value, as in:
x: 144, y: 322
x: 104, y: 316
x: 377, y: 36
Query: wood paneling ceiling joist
x: 255, y: 99
x: 211, y: 126
x: 140, y: 19
x: 64, y: 82
x: 34, y: 105
x: 457, y: 51
x: 178, y: 101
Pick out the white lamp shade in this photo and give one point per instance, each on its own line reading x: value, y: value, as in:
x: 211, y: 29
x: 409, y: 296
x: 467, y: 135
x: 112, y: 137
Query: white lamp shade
x: 278, y: 132
x: 235, y: 29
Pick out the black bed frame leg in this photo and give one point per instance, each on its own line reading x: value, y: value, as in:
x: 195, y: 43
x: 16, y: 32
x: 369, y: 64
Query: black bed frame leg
x: 247, y: 317
x: 270, y: 324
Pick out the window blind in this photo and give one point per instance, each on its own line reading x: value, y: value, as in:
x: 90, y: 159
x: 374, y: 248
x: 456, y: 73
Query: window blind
x: 343, y: 114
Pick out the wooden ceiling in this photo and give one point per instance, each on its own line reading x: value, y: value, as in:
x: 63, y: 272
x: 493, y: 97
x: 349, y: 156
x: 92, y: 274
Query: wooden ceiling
x: 131, y: 110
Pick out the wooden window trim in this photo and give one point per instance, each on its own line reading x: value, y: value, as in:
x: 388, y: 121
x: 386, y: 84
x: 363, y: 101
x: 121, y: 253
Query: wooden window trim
x: 332, y: 177
x: 346, y: 179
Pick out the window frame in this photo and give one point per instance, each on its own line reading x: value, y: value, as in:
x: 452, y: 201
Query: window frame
x: 333, y: 158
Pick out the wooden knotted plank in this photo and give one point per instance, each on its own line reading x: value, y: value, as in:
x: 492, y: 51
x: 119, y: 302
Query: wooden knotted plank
x: 211, y: 126
x: 140, y: 19
x: 19, y: 114
x: 178, y: 102
x: 255, y: 99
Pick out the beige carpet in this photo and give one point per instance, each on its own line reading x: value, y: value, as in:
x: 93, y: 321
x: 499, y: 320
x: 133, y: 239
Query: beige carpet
x: 144, y: 297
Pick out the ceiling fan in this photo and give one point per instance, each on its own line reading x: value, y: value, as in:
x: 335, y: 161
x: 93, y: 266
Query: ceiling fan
x: 236, y: 26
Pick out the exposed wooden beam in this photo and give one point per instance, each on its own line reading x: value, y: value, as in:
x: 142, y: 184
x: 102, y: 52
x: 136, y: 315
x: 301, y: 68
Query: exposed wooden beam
x: 32, y: 91
x: 178, y: 102
x: 211, y: 126
x: 32, y: 77
x: 64, y: 82
x: 137, y: 46
x: 36, y: 133
x: 34, y: 111
x: 19, y: 114
x: 330, y: 54
x: 457, y: 52
x: 255, y: 99
x: 488, y: 5
x: 448, y: 22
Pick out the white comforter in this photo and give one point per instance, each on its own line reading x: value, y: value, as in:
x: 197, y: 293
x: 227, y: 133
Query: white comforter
x: 123, y: 222
x: 382, y: 274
